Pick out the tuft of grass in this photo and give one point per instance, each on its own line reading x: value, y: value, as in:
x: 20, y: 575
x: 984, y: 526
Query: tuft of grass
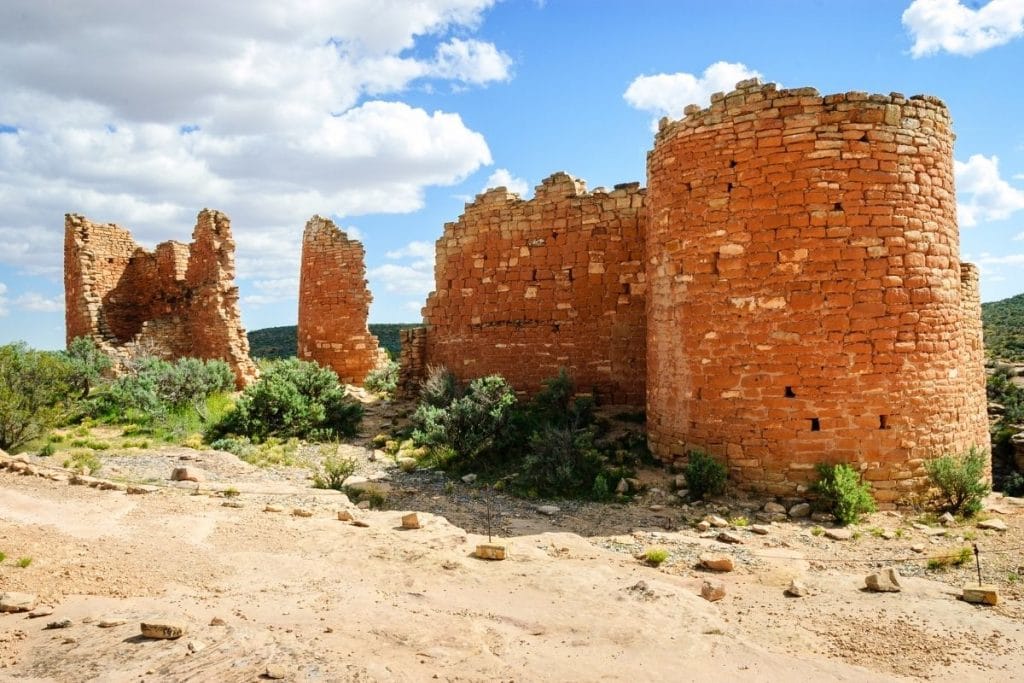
x: 950, y: 558
x: 900, y: 533
x: 739, y: 521
x: 655, y: 556
x: 47, y: 450
x: 333, y: 472
x: 877, y: 531
x: 817, y: 531
x: 3, y: 556
x: 97, y: 445
x: 83, y: 458
x: 231, y: 492
x: 24, y: 562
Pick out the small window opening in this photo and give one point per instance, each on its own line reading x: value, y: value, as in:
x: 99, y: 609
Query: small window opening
x: 732, y: 163
x: 729, y: 188
x: 534, y: 274
x: 838, y: 206
x: 570, y: 275
x: 699, y: 393
x: 815, y: 424
x: 883, y: 421
x: 790, y: 393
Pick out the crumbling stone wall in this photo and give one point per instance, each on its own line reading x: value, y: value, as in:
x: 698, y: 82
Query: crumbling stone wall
x: 526, y: 287
x: 807, y: 302
x: 177, y: 301
x: 334, y: 303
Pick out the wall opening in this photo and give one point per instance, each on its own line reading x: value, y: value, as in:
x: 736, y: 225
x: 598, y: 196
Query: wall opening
x: 790, y: 393
x: 815, y: 424
x: 883, y: 421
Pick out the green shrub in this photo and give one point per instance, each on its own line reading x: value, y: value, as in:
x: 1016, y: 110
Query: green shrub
x: 87, y: 362
x: 560, y: 461
x: 439, y: 388
x: 83, y: 459
x: 951, y: 558
x: 35, y: 393
x: 655, y: 556
x: 333, y: 472
x: 843, y: 492
x: 472, y: 423
x: 24, y: 562
x: 293, y: 398
x: 704, y: 475
x: 271, y: 452
x: 156, y: 388
x: 1013, y: 485
x: 3, y: 556
x: 382, y: 380
x: 600, y: 490
x: 47, y: 450
x: 960, y: 480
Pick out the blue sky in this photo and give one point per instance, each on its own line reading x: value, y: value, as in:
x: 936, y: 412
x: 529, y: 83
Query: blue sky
x: 388, y: 115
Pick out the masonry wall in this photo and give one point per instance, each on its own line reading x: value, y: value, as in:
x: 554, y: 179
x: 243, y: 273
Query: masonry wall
x: 334, y: 303
x: 806, y: 301
x: 179, y: 300
x: 526, y: 287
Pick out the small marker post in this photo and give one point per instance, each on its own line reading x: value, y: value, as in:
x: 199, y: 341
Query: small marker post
x: 982, y: 595
x: 977, y: 561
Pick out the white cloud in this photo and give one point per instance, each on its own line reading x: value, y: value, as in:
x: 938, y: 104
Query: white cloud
x: 3, y: 300
x: 987, y: 259
x: 983, y: 194
x: 415, y: 277
x: 669, y: 94
x: 415, y: 249
x: 1019, y: 236
x: 503, y: 178
x: 143, y: 113
x: 34, y: 301
x: 956, y: 28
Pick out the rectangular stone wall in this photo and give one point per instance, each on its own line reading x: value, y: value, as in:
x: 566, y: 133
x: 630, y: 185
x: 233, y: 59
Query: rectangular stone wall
x: 524, y: 288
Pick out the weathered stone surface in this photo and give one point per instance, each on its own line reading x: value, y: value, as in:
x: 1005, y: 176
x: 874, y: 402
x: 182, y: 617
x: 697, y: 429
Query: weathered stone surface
x: 557, y: 281
x: 548, y: 510
x: 885, y: 581
x: 17, y: 602
x: 490, y: 551
x: 839, y: 534
x: 344, y: 516
x: 273, y: 508
x: 716, y: 521
x: 717, y: 563
x: 981, y: 595
x: 994, y: 524
x: 163, y: 629
x: 177, y: 301
x: 334, y: 303
x: 712, y: 591
x: 803, y: 287
x: 796, y: 589
x: 947, y: 519
x: 410, y: 521
x: 774, y: 508
x: 728, y: 537
x: 760, y: 529
x: 302, y: 512
x: 140, y: 489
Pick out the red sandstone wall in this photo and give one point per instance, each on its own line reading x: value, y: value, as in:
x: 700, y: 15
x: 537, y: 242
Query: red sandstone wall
x: 805, y: 299
x: 178, y: 301
x: 334, y: 303
x: 526, y: 287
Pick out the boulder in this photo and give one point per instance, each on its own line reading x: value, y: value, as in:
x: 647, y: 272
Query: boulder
x: 885, y: 581
x: 947, y: 519
x: 796, y: 589
x: 548, y: 509
x: 163, y: 629
x: 716, y: 521
x: 772, y: 507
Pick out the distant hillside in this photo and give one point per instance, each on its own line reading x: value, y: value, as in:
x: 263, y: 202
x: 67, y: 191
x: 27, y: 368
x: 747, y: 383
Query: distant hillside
x: 280, y: 342
x: 1004, y: 328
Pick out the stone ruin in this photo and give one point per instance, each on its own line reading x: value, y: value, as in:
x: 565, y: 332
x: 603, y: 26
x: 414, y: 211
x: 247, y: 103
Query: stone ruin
x: 787, y: 290
x: 179, y: 300
x: 334, y: 304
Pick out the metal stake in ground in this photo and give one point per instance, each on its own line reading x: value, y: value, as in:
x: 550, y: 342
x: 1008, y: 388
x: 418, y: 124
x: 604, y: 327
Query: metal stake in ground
x: 977, y: 561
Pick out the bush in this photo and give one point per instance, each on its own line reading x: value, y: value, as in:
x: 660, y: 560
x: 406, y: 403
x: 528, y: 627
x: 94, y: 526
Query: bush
x: 35, y: 391
x: 87, y: 362
x: 471, y: 424
x: 655, y: 556
x: 561, y: 461
x: 293, y: 398
x: 960, y: 481
x: 843, y: 493
x: 704, y: 475
x: 83, y: 459
x: 382, y: 380
x: 440, y: 387
x: 156, y: 388
x: 1013, y: 485
x: 333, y: 472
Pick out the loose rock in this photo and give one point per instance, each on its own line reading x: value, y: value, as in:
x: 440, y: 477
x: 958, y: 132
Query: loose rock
x: 276, y: 672
x: 273, y: 508
x: 716, y: 521
x: 110, y: 623
x: 760, y: 529
x: 774, y: 508
x: 411, y: 521
x: 947, y: 519
x: 63, y: 623
x: 187, y: 474
x: 703, y: 526
x: 17, y: 602
x: 884, y: 581
x: 344, y: 516
x: 839, y: 534
x: 800, y: 510
x: 995, y: 524
x: 728, y: 537
x: 41, y: 611
x: 164, y: 630
x: 717, y: 563
x: 797, y: 589
x: 548, y: 509
x: 468, y: 478
x: 302, y: 512
x: 712, y: 590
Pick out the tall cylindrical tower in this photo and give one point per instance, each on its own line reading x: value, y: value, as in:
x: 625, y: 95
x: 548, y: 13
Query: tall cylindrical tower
x: 804, y: 302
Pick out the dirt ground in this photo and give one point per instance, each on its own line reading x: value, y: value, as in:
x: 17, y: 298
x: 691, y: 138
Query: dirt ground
x: 318, y: 599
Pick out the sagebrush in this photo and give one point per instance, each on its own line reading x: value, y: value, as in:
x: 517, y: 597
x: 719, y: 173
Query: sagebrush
x: 960, y: 481
x: 843, y: 493
x: 704, y: 475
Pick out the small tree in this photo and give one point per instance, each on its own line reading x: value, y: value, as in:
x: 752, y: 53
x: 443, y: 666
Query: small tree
x: 704, y: 475
x: 35, y: 391
x: 87, y: 362
x: 960, y: 480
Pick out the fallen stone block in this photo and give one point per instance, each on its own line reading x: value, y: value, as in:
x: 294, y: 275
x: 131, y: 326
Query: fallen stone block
x: 717, y: 563
x: 981, y: 595
x: 163, y: 630
x: 490, y: 551
x: 885, y: 581
x: 712, y: 591
x: 17, y: 602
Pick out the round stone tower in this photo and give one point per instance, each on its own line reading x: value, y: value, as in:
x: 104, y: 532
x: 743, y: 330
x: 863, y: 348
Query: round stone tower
x: 806, y: 302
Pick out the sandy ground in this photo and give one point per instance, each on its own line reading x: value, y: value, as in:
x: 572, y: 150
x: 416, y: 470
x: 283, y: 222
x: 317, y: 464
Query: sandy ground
x: 325, y: 600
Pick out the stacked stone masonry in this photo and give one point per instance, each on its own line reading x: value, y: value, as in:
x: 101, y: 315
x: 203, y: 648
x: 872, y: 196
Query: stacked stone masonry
x: 524, y: 288
x: 334, y: 304
x: 177, y: 301
x: 807, y: 302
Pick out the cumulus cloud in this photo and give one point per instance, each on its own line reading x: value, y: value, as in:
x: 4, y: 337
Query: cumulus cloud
x: 3, y: 300
x: 143, y: 113
x: 411, y: 274
x: 669, y: 94
x: 952, y: 26
x: 983, y: 194
x: 34, y: 301
x: 503, y: 178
